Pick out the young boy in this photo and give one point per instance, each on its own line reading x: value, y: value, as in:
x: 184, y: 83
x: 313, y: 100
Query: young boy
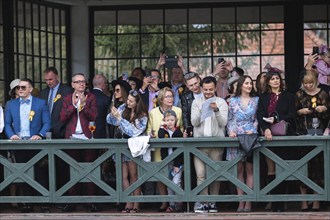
x: 168, y: 130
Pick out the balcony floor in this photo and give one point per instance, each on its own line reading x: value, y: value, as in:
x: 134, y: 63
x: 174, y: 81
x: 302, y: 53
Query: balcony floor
x: 110, y: 212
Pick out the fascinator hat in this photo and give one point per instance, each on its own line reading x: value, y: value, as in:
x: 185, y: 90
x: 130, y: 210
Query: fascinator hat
x: 323, y: 49
x: 272, y: 70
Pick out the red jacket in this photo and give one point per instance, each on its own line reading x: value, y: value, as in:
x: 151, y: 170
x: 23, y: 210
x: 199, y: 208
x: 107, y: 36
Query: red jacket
x: 69, y: 114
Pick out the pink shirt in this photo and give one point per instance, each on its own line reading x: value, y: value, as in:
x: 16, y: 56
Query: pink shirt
x: 323, y: 70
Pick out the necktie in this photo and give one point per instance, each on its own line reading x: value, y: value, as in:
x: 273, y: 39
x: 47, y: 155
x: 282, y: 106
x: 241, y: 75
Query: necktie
x: 50, y: 100
x: 25, y: 101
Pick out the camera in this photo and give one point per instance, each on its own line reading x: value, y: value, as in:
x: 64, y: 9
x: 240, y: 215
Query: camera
x: 315, y: 50
x: 221, y: 59
x: 171, y: 61
x: 148, y: 74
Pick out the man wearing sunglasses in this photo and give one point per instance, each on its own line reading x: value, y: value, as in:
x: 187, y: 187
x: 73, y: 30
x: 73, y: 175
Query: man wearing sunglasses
x: 26, y: 118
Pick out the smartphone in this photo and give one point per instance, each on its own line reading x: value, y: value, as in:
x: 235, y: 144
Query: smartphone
x: 221, y: 59
x: 148, y: 74
x: 315, y: 50
x: 125, y: 76
x: 189, y: 131
x: 171, y: 61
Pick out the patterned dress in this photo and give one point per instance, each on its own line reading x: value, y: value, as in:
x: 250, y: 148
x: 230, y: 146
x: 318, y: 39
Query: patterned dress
x: 240, y: 120
x: 304, y: 100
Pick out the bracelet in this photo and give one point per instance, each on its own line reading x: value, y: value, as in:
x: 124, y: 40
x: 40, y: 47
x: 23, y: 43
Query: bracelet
x: 216, y: 110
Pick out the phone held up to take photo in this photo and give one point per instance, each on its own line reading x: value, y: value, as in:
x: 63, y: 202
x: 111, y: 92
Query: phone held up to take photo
x: 315, y: 50
x: 221, y: 59
x: 171, y: 61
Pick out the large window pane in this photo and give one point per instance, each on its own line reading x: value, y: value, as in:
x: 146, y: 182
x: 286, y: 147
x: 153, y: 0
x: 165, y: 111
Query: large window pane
x: 151, y: 21
x: 272, y: 14
x: 248, y: 18
x: 248, y: 43
x: 128, y: 45
x: 314, y: 38
x: 105, y: 46
x: 224, y: 43
x: 200, y: 44
x: 176, y: 44
x: 128, y: 22
x: 105, y: 22
x: 175, y: 20
x: 223, y: 19
x: 272, y: 42
x: 152, y: 45
x: 200, y: 19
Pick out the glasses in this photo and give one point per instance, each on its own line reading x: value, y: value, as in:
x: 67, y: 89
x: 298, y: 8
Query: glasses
x: 169, y: 97
x: 80, y: 82
x: 133, y: 93
x: 154, y: 77
x: 21, y: 87
x: 190, y: 75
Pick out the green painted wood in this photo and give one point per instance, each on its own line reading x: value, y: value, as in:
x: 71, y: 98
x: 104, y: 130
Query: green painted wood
x: 287, y: 170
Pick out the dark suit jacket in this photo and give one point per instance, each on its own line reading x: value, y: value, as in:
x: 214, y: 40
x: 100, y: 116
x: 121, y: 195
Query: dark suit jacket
x: 58, y: 127
x: 40, y: 123
x: 285, y: 108
x: 103, y: 103
x: 69, y: 115
x: 186, y: 102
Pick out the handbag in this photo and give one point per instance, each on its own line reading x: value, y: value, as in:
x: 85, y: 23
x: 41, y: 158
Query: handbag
x: 280, y: 128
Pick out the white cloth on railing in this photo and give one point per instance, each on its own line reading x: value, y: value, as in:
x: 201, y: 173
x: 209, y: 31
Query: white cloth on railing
x: 139, y: 146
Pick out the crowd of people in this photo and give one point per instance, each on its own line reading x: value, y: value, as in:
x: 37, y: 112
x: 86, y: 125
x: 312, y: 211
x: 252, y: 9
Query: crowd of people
x: 227, y: 102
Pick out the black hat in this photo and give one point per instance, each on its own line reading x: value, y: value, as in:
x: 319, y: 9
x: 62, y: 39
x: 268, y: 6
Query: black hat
x: 137, y: 81
x: 122, y: 83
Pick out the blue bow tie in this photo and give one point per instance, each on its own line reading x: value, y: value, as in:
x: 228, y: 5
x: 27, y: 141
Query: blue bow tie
x: 25, y: 101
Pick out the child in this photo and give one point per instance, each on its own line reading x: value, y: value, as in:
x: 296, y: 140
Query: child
x: 323, y: 65
x: 168, y: 130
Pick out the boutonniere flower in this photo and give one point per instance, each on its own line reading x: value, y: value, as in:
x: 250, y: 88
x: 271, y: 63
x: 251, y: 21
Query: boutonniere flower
x: 166, y: 136
x: 32, y: 113
x: 154, y: 100
x: 58, y: 96
x: 180, y: 90
x: 313, y: 102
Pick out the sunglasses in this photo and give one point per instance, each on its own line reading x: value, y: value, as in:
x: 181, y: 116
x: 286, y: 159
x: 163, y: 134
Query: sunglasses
x: 190, y: 75
x: 133, y: 93
x: 20, y: 87
x: 154, y: 77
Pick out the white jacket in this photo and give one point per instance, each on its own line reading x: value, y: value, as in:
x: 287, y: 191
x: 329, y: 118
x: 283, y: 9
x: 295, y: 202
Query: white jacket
x: 218, y: 122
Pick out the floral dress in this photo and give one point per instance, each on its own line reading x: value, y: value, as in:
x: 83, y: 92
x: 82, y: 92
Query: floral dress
x: 240, y: 120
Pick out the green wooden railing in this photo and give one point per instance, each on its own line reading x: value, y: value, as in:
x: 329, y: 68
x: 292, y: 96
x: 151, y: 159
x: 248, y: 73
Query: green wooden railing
x: 286, y: 170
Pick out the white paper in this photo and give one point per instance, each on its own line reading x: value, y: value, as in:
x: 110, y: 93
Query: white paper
x: 79, y: 137
x: 207, y: 111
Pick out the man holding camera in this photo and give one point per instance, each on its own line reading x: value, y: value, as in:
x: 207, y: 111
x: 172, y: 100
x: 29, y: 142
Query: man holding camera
x: 176, y: 64
x: 222, y: 70
x: 150, y: 88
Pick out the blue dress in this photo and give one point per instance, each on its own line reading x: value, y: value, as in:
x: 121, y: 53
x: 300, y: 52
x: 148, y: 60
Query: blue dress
x: 240, y: 120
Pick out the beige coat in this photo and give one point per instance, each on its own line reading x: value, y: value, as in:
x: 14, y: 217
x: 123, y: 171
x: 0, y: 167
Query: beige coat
x: 218, y: 122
